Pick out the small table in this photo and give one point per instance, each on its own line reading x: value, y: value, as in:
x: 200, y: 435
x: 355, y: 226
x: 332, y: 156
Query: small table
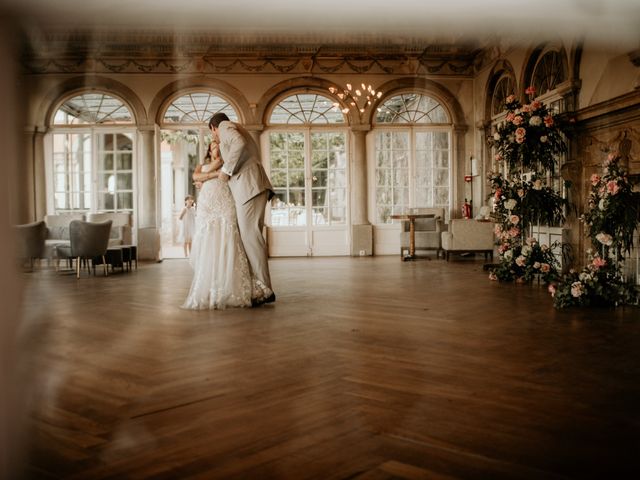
x: 412, y: 230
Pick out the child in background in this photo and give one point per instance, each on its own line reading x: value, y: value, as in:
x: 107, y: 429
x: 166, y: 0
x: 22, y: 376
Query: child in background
x: 188, y: 217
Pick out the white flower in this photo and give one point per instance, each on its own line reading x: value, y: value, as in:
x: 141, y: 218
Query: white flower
x: 584, y: 277
x: 536, y: 265
x: 496, y: 136
x: 526, y: 250
x: 521, y: 261
x: 605, y: 239
x: 508, y: 255
x: 535, y: 121
x: 510, y: 204
x: 543, y: 139
x: 576, y: 289
x: 601, y: 204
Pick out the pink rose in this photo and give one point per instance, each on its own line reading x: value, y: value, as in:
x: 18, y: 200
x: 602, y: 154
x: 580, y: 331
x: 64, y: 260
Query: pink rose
x: 517, y: 120
x: 497, y: 229
x: 514, y: 219
x: 612, y: 187
x: 530, y: 91
x: 526, y: 108
x: 498, y: 157
x: 548, y: 121
x: 595, y: 179
x: 519, y: 139
x: 521, y: 261
x: 510, y: 99
x: 510, y: 116
x: 514, y: 232
x: 493, y: 277
x: 520, y: 132
x: 535, y: 105
x: 552, y: 289
x: 598, y: 262
x: 544, y: 267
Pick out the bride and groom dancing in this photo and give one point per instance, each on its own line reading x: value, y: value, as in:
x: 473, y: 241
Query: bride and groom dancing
x: 229, y: 253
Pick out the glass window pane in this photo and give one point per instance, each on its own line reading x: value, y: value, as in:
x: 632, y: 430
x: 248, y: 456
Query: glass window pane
x: 93, y: 108
x: 296, y: 197
x: 124, y: 161
x: 296, y: 159
x: 338, y: 215
x: 296, y: 178
x: 106, y: 162
x: 278, y: 178
x: 306, y: 108
x: 319, y: 160
x: 319, y: 197
x: 319, y: 178
x: 106, y: 201
x: 125, y: 201
x: 411, y: 108
x: 124, y: 181
x: 278, y: 160
x: 197, y: 108
x: 320, y: 216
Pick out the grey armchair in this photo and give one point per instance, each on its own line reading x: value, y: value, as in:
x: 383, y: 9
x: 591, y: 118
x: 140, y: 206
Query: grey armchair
x: 427, y: 231
x: 88, y: 240
x: 30, y: 239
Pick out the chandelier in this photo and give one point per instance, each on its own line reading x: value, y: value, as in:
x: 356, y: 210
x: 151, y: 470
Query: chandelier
x: 356, y: 98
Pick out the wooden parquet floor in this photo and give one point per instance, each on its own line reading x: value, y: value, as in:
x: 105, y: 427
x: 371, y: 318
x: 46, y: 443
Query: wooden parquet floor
x: 364, y: 368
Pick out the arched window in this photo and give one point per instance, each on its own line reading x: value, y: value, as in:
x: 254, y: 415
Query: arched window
x: 197, y: 108
x: 411, y: 108
x: 548, y: 73
x: 306, y: 109
x: 308, y: 169
x: 93, y: 109
x: 412, y: 155
x: 504, y: 87
x: 92, y: 155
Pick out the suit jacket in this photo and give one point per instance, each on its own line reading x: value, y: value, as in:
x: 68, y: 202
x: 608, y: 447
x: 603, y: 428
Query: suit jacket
x: 241, y: 157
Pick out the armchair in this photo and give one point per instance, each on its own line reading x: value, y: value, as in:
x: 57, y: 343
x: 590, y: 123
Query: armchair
x: 30, y: 238
x: 467, y: 235
x: 427, y: 231
x: 88, y: 240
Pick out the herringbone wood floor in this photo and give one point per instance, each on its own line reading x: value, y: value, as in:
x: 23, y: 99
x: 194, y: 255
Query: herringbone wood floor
x: 364, y: 368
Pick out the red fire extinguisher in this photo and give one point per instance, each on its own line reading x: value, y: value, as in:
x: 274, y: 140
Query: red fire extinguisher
x: 466, y: 209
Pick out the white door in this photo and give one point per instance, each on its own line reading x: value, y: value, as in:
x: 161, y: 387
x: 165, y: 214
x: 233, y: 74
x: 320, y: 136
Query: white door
x: 308, y: 169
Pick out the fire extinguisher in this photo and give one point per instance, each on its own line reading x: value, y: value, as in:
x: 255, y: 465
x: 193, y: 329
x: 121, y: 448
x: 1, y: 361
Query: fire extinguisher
x: 466, y: 209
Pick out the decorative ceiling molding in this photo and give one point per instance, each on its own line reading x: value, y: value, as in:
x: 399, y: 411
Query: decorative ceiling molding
x: 149, y: 52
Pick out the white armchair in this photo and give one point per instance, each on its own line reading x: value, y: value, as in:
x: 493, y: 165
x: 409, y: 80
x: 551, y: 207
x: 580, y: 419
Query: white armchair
x: 427, y: 231
x: 466, y: 235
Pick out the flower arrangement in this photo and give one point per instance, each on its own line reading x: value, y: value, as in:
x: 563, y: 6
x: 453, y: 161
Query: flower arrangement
x: 529, y: 138
x: 531, y: 201
x: 613, y: 209
x: 597, y: 284
x: 523, y: 263
x: 611, y: 219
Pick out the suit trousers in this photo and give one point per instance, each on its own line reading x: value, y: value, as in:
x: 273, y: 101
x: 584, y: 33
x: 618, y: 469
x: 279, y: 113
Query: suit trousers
x: 251, y: 223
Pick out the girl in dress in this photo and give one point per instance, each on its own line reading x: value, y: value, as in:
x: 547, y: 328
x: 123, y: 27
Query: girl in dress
x: 188, y: 217
x: 221, y: 274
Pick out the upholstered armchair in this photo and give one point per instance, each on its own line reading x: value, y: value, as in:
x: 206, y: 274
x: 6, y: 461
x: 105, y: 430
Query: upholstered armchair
x: 30, y: 239
x: 427, y: 231
x: 87, y: 241
x: 58, y: 232
x: 120, y: 226
x: 468, y: 236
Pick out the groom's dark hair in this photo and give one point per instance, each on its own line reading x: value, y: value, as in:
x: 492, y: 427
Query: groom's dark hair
x: 217, y: 119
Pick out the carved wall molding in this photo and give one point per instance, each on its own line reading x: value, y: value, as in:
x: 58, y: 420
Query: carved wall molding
x: 161, y: 52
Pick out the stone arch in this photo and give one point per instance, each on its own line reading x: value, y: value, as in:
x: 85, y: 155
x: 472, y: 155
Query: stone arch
x: 77, y: 85
x: 181, y: 87
x: 297, y: 85
x: 534, y: 54
x: 428, y: 87
x: 500, y: 68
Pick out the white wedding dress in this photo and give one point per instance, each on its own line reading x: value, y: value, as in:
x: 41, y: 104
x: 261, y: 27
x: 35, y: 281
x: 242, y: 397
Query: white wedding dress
x: 221, y: 272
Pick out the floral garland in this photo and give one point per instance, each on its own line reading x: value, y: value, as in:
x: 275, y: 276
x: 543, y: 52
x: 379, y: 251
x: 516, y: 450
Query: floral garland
x: 529, y: 138
x: 614, y: 209
x: 611, y: 219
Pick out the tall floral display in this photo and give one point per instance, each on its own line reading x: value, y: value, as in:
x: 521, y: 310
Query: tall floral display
x: 528, y: 141
x: 611, y: 219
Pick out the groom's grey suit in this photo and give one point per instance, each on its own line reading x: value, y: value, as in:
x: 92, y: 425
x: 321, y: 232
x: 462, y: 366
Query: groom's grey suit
x: 251, y: 190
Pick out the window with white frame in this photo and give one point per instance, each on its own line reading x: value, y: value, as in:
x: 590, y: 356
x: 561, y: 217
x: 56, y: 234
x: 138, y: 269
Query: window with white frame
x: 92, y: 166
x: 308, y: 162
x: 412, y: 155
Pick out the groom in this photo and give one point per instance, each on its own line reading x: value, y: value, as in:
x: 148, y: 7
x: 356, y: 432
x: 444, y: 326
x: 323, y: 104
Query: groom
x: 251, y: 189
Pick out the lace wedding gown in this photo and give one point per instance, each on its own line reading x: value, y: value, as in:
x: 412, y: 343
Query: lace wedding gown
x: 221, y: 273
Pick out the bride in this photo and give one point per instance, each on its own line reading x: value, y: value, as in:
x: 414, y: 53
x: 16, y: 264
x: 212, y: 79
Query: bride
x: 221, y: 274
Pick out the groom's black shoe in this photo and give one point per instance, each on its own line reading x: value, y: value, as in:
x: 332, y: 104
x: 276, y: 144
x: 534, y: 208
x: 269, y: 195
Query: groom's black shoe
x: 271, y: 298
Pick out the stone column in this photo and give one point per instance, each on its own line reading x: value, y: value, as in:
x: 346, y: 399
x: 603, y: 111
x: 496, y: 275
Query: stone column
x: 148, y: 226
x: 361, y: 229
x: 39, y: 176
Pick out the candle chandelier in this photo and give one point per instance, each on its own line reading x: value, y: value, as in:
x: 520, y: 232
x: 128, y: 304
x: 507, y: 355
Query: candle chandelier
x: 355, y: 98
